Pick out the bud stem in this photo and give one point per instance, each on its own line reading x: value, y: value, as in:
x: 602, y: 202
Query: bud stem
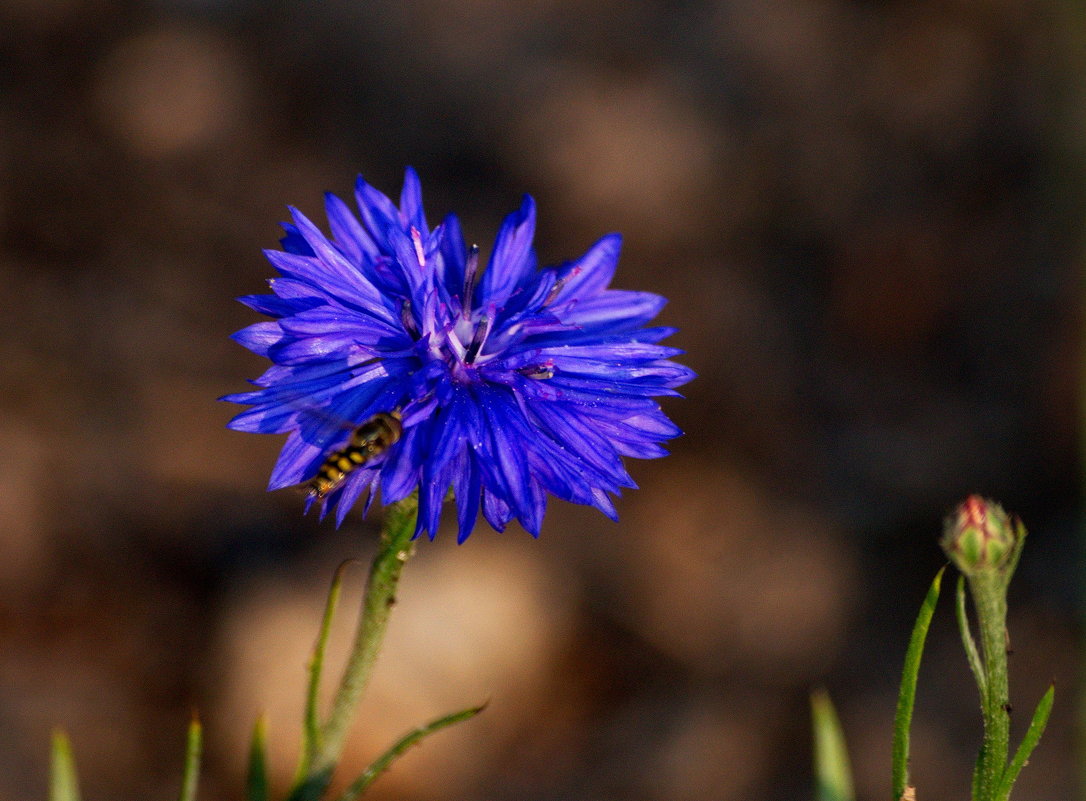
x: 989, y: 592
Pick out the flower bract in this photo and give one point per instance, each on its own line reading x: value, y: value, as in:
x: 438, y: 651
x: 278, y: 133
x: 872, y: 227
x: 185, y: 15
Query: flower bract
x: 506, y: 383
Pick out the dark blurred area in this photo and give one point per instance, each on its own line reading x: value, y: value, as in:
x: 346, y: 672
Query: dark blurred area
x: 867, y: 216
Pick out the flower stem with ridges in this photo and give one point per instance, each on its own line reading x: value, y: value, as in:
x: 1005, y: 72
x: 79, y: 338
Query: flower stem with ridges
x: 395, y: 548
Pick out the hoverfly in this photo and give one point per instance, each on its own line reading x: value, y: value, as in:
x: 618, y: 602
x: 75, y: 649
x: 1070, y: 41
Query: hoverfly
x: 368, y: 441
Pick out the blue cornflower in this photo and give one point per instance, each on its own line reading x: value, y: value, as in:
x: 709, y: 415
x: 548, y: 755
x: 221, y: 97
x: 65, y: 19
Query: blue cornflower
x: 503, y: 384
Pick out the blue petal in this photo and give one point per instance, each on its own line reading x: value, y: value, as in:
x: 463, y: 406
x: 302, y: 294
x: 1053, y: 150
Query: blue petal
x: 605, y: 390
x: 300, y: 293
x: 400, y: 474
x: 667, y: 374
x: 259, y: 337
x: 582, y: 441
x: 294, y: 242
x: 266, y: 420
x: 330, y: 319
x: 297, y: 461
x: 319, y: 348
x: 411, y: 201
x: 496, y: 511
x: 579, y: 358
x: 275, y: 306
x: 311, y: 391
x: 655, y: 426
x: 447, y: 459
x: 636, y: 438
x: 449, y: 441
x: 454, y: 254
x: 576, y: 336
x: 358, y: 482
x: 378, y: 212
x: 537, y: 506
x: 283, y: 374
x: 356, y: 290
x: 406, y: 259
x: 592, y: 273
x: 613, y: 352
x: 428, y: 518
x: 467, y: 486
x: 604, y: 504
x: 615, y: 308
x: 512, y: 259
x: 351, y: 237
x: 505, y: 467
x: 590, y: 394
x: 338, y: 272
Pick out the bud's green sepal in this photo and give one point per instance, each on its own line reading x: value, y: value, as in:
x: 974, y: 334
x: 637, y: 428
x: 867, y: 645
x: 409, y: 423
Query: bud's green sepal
x: 980, y: 537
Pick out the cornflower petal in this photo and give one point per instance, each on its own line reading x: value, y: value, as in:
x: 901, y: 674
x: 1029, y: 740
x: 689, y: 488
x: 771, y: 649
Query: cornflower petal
x: 378, y: 212
x: 314, y: 280
x: 453, y: 258
x: 334, y: 264
x: 512, y: 260
x: 360, y: 481
x: 259, y: 337
x: 591, y: 273
x: 294, y: 242
x: 273, y: 305
x: 467, y: 487
x: 350, y: 235
x: 496, y: 511
x: 411, y: 201
x: 615, y: 309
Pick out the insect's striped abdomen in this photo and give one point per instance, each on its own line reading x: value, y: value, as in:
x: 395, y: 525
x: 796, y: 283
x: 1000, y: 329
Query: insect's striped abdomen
x: 369, y: 440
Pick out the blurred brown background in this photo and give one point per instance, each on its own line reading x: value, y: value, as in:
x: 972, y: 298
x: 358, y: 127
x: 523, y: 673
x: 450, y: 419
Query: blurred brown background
x: 867, y: 216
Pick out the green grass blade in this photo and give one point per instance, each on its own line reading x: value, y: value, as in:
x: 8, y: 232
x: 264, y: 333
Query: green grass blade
x: 907, y: 695
x: 256, y: 783
x: 63, y: 782
x: 191, y: 775
x: 1029, y: 742
x: 382, y: 763
x: 311, y: 725
x: 833, y: 774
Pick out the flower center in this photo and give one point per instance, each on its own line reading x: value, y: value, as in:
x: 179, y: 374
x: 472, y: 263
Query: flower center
x: 467, y: 334
x: 464, y: 341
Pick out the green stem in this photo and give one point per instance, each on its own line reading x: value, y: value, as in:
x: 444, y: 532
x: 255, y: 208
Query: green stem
x: 393, y: 552
x: 990, y: 599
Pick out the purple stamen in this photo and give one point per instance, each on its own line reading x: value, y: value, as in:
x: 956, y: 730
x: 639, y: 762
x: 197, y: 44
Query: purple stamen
x: 471, y: 273
x: 482, y: 330
x: 416, y: 238
x: 408, y: 318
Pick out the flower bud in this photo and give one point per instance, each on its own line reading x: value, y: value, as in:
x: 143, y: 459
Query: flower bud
x: 979, y: 536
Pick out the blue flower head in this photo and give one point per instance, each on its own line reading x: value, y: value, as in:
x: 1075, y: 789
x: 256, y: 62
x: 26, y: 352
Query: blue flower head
x: 502, y: 384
